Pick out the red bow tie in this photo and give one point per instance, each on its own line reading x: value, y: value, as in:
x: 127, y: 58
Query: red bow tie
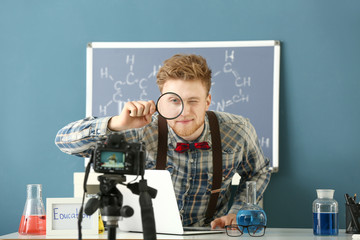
x: 183, y: 147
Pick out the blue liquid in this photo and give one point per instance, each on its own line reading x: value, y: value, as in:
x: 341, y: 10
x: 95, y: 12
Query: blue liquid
x: 326, y: 224
x: 251, y: 217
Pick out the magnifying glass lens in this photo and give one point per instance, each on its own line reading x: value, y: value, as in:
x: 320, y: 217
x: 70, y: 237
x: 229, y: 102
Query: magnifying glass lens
x: 170, y: 105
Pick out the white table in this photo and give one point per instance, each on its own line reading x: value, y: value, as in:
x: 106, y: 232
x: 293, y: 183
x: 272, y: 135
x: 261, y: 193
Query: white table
x: 271, y: 233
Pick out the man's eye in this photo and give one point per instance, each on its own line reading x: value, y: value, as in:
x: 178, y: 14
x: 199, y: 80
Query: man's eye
x: 174, y: 100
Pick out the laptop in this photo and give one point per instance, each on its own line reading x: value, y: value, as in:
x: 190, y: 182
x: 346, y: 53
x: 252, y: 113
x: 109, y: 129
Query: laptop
x: 166, y: 212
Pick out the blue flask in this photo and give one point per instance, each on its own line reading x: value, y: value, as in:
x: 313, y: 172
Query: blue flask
x: 251, y: 214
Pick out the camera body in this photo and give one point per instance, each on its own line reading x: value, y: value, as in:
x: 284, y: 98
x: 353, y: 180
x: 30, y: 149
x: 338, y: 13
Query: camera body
x: 113, y: 155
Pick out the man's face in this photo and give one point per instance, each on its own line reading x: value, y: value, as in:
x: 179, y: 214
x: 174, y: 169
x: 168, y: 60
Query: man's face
x: 190, y: 124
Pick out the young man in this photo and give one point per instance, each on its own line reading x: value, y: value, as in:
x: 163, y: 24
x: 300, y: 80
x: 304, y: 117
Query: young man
x: 191, y: 171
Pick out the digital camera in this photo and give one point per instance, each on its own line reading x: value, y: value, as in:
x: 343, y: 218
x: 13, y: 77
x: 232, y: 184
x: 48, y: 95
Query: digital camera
x: 113, y: 155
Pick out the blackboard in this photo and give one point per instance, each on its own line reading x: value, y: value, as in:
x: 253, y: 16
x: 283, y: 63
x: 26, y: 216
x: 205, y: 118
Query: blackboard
x: 245, y: 79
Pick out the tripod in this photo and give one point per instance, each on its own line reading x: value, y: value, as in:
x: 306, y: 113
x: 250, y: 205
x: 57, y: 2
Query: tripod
x: 110, y: 201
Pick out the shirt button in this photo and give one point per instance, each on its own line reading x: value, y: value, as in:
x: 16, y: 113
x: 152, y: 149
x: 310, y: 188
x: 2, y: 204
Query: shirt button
x: 182, y: 211
x: 190, y: 178
x: 192, y: 160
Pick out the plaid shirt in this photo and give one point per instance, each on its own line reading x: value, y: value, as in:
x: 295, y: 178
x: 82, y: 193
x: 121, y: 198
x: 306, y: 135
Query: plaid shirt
x: 191, y: 171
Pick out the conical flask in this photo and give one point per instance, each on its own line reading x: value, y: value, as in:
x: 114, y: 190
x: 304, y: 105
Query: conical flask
x: 33, y: 220
x: 251, y: 214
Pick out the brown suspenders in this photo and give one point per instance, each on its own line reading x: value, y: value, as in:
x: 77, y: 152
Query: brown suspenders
x: 162, y: 143
x: 217, y: 164
x: 216, y: 152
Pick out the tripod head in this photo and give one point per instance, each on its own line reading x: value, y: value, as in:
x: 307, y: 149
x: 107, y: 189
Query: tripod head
x: 109, y: 200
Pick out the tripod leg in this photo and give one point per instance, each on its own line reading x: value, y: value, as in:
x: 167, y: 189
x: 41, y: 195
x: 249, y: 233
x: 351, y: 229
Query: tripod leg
x: 111, y: 232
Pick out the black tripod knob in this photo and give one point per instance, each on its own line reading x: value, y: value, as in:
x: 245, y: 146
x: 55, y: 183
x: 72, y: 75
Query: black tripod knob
x: 126, y: 211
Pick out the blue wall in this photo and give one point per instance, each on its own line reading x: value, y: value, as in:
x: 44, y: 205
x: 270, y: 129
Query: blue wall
x: 42, y: 76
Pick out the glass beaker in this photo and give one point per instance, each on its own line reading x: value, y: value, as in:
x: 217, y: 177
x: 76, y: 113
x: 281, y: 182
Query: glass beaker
x: 325, y: 213
x: 33, y: 220
x: 251, y: 214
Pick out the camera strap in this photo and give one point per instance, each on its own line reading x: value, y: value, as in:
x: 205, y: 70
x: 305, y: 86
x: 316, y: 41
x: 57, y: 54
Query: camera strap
x: 87, y: 171
x: 216, y: 154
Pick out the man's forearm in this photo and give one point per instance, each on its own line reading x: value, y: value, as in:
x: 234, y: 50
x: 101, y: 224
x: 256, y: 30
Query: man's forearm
x: 79, y: 137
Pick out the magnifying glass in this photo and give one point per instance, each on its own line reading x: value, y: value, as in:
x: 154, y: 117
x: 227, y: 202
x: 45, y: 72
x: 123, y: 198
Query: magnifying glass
x: 169, y: 105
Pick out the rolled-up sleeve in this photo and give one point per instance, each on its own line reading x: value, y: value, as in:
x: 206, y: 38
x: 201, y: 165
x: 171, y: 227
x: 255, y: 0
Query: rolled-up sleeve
x: 78, y: 138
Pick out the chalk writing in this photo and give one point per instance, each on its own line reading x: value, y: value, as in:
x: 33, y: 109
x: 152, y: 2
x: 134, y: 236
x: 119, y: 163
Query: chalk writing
x: 235, y: 82
x: 265, y: 142
x: 141, y: 84
x: 130, y: 80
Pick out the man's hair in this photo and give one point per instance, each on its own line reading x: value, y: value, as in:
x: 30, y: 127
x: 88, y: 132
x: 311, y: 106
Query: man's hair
x: 185, y: 67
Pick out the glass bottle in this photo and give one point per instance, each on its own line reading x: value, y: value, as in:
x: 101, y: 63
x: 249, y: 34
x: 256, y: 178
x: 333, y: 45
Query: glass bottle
x: 33, y: 220
x: 251, y: 214
x: 325, y: 213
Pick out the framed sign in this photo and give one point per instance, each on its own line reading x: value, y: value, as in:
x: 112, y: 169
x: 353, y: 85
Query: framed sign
x: 62, y: 217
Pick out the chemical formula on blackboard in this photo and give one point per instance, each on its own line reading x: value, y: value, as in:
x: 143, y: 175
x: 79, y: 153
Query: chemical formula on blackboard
x: 226, y: 75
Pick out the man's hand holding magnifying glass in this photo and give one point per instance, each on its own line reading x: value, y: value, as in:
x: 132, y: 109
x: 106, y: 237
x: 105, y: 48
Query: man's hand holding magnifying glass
x: 135, y: 114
